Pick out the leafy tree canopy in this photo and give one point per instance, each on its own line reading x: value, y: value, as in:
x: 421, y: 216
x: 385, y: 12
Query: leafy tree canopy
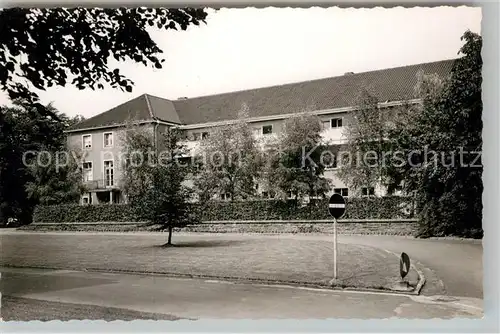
x: 447, y: 132
x: 24, y: 183
x: 295, y: 160
x: 41, y: 47
x: 155, y: 182
x: 229, y: 162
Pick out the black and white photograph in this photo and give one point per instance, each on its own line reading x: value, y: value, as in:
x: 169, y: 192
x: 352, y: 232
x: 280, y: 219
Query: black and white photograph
x: 196, y: 163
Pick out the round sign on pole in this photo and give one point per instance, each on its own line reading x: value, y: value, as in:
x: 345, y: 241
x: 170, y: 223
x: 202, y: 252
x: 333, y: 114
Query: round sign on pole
x: 404, y: 265
x: 336, y: 206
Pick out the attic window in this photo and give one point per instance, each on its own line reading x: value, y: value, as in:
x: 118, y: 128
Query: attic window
x: 336, y: 122
x: 267, y: 129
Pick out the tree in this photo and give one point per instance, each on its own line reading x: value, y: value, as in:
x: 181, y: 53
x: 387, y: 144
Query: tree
x: 294, y: 162
x: 444, y: 135
x: 229, y: 161
x: 23, y: 134
x: 41, y: 46
x: 140, y: 154
x: 53, y: 184
x: 364, y: 161
x: 369, y: 158
x: 165, y: 199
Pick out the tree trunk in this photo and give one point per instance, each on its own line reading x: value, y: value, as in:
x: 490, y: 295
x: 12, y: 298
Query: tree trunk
x: 169, y: 235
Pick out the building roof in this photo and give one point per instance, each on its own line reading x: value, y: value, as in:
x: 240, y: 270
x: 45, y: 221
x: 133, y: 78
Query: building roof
x: 393, y: 84
x: 142, y: 108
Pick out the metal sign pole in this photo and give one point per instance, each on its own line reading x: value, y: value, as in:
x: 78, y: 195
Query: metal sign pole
x: 336, y: 208
x: 335, y: 248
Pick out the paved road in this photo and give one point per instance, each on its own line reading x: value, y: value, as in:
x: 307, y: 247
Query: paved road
x: 198, y: 299
x: 458, y: 264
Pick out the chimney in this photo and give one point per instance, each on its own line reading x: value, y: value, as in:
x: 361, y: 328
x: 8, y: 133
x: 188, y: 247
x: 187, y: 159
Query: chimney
x: 348, y: 73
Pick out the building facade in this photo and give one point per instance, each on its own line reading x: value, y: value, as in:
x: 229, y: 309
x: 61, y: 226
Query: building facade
x: 332, y: 99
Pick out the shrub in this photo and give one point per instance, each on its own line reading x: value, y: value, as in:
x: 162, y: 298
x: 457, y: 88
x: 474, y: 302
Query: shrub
x: 72, y: 213
x: 357, y: 208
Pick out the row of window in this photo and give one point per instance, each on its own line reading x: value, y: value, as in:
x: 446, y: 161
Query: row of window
x: 197, y: 136
x: 264, y: 194
x: 107, y: 140
x: 333, y: 123
x: 365, y: 191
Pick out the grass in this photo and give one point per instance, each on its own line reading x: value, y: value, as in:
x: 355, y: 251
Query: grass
x: 278, y: 260
x: 24, y: 309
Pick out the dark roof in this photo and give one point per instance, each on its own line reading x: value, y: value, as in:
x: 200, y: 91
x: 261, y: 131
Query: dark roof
x: 142, y: 108
x: 394, y: 84
x: 163, y: 109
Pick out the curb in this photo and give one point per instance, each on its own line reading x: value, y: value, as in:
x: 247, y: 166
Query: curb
x: 234, y: 280
x: 403, y: 235
x: 421, y: 280
x: 421, y: 276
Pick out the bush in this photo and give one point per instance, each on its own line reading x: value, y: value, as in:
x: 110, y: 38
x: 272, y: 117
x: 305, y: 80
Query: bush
x: 357, y: 208
x: 73, y: 213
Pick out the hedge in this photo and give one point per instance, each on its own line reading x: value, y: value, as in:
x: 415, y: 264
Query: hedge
x: 74, y: 213
x: 357, y: 208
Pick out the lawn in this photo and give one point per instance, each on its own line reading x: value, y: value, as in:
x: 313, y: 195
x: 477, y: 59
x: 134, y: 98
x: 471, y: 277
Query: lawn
x: 251, y: 258
x: 24, y: 309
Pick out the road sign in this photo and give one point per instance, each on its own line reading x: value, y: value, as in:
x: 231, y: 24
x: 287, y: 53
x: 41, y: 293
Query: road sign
x: 336, y: 206
x: 404, y: 265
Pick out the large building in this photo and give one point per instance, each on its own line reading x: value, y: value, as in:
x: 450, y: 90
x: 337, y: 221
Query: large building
x: 331, y: 99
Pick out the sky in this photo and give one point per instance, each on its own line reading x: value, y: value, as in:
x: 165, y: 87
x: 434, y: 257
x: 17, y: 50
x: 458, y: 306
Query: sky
x: 248, y: 48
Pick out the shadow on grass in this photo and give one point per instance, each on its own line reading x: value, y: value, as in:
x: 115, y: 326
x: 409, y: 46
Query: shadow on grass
x: 202, y: 244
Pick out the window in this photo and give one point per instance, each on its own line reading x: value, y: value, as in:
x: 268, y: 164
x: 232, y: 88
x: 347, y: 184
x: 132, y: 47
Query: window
x: 326, y: 125
x: 291, y: 194
x: 268, y: 194
x: 267, y: 129
x: 342, y: 191
x: 329, y: 160
x: 367, y: 191
x: 225, y: 196
x: 87, y: 199
x: 87, y: 171
x: 108, y: 173
x: 87, y: 141
x: 336, y: 122
x: 197, y: 136
x: 108, y: 139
